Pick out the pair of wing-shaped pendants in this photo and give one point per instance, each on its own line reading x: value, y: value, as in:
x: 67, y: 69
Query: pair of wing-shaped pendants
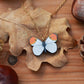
x: 48, y: 45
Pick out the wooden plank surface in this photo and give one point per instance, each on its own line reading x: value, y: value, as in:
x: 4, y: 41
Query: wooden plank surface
x: 73, y: 71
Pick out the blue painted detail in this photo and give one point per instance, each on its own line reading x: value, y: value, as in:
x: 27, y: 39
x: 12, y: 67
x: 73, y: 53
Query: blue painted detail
x: 44, y: 44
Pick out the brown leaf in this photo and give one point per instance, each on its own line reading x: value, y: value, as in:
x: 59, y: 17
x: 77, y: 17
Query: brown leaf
x: 18, y: 25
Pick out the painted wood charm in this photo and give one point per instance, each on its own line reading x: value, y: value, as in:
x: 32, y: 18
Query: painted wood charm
x: 48, y: 45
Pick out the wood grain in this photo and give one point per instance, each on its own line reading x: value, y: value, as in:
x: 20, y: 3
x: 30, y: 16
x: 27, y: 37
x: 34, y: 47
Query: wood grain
x: 73, y: 71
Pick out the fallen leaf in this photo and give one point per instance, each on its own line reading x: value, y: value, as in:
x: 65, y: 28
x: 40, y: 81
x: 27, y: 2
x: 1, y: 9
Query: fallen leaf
x: 19, y: 27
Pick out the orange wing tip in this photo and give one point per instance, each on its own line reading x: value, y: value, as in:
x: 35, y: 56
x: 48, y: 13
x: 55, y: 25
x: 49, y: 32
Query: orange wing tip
x: 32, y: 40
x: 53, y: 36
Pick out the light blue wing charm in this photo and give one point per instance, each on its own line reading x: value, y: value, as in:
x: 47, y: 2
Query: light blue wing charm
x: 37, y: 46
x: 51, y: 45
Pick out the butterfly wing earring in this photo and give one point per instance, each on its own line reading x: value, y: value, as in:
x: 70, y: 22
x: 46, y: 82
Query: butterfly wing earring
x: 48, y: 45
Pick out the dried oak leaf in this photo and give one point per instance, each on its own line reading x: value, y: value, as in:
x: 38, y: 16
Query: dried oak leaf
x: 19, y: 26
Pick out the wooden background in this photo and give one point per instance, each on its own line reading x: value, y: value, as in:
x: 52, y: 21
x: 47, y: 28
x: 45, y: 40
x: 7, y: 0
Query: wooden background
x: 73, y: 71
